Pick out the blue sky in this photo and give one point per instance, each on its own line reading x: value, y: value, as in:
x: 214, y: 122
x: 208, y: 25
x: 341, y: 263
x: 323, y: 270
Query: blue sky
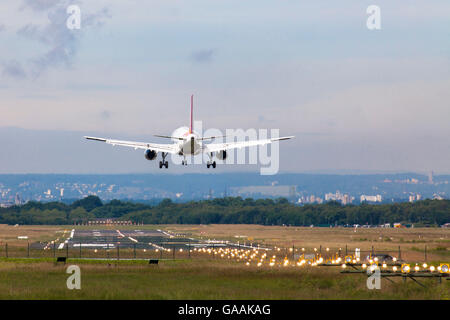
x: 355, y: 99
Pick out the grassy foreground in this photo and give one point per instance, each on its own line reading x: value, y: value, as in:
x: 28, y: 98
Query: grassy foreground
x: 35, y: 279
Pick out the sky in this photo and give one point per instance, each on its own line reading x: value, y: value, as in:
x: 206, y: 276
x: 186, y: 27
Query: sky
x: 357, y: 100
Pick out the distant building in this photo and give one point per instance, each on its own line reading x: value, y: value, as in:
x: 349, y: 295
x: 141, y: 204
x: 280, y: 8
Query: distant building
x: 17, y: 200
x: 346, y: 199
x: 414, y: 197
x: 109, y: 221
x: 338, y: 196
x: 272, y: 191
x: 376, y: 198
x: 430, y: 177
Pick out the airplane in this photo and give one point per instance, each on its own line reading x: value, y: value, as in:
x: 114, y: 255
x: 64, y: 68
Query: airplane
x: 187, y: 142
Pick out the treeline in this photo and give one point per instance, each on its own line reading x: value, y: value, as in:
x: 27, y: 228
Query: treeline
x: 230, y: 210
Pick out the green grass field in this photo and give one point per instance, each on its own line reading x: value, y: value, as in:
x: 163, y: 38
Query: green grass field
x: 191, y: 279
x: 204, y: 278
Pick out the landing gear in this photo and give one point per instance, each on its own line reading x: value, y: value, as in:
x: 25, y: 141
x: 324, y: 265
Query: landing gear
x: 184, y: 162
x: 164, y: 163
x: 210, y: 162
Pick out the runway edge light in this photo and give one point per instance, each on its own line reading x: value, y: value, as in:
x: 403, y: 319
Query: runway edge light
x: 406, y: 268
x: 445, y: 268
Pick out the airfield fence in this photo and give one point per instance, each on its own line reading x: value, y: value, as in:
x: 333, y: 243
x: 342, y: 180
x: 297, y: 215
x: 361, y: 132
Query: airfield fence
x: 186, y: 250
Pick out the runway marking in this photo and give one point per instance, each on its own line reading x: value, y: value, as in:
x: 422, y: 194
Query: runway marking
x: 120, y: 234
x: 61, y: 245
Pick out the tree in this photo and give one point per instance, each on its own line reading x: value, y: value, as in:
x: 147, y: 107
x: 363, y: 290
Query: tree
x: 89, y: 203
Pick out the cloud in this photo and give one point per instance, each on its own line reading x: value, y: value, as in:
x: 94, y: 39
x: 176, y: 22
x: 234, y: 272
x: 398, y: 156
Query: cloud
x: 61, y: 43
x: 2, y: 27
x: 203, y: 56
x: 13, y: 69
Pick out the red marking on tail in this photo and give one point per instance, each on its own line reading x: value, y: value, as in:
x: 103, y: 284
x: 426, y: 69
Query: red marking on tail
x: 192, y: 114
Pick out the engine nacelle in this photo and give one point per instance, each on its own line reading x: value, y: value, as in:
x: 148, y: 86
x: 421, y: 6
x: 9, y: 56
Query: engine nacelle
x: 221, y: 155
x: 150, y: 154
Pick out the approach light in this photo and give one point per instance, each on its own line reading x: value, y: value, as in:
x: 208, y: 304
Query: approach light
x: 406, y: 268
x: 425, y: 265
x: 445, y: 268
x: 348, y: 259
x: 432, y: 268
x: 328, y: 249
x: 384, y: 265
x: 416, y: 268
x: 344, y: 266
x: 364, y: 266
x: 394, y: 268
x: 394, y: 259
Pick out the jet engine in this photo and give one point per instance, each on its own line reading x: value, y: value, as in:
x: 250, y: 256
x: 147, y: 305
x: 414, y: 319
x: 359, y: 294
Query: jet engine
x: 221, y: 155
x: 150, y: 154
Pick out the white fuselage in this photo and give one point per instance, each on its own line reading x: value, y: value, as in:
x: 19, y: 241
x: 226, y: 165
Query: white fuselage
x: 191, y: 145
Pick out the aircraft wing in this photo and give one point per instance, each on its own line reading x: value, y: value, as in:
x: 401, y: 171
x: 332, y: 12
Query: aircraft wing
x: 170, y: 148
x: 216, y: 147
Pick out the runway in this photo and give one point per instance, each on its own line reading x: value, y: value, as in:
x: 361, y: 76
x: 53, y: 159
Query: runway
x: 158, y: 240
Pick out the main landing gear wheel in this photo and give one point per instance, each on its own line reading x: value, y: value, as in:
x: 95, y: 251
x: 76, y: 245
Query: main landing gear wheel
x: 209, y: 164
x: 164, y: 163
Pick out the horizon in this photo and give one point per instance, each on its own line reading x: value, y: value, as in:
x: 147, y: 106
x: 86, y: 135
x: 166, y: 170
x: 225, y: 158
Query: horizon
x: 337, y: 173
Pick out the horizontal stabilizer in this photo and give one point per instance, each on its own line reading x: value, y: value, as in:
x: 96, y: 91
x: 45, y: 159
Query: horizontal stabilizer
x: 168, y: 137
x: 96, y: 139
